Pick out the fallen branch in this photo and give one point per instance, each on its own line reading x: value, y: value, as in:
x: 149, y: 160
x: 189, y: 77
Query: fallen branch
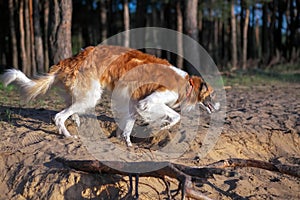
x: 186, y: 175
x: 235, y: 162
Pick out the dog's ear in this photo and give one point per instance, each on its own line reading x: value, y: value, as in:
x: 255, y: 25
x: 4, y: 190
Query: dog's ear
x: 192, y: 82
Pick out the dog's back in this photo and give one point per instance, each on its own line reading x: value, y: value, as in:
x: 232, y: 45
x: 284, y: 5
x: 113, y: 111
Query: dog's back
x: 109, y: 64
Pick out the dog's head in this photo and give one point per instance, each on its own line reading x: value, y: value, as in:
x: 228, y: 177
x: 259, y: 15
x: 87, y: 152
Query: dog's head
x: 204, y: 94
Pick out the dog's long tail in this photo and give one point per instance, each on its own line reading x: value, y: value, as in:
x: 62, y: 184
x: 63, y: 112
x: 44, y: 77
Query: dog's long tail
x: 30, y: 88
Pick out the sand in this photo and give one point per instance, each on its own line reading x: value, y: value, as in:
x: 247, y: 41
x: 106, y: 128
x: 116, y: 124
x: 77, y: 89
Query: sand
x: 262, y: 122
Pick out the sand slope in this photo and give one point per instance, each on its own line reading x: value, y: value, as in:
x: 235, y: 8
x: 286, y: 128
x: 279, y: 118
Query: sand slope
x: 262, y: 122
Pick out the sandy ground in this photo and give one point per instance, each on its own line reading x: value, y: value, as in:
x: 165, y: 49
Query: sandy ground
x: 262, y: 122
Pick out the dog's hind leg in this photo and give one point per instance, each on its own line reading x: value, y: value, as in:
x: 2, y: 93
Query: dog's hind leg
x: 126, y: 126
x: 76, y: 119
x: 62, y: 116
x: 74, y: 109
x: 82, y: 101
x: 68, y: 102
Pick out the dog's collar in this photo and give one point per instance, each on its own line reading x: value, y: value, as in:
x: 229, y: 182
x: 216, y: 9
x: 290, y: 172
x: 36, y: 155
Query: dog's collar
x: 190, y: 89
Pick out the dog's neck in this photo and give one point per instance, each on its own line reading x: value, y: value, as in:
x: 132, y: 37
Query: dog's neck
x: 190, y: 88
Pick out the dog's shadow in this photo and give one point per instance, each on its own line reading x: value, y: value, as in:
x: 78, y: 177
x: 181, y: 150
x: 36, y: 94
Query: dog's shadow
x: 35, y: 118
x: 30, y: 118
x: 41, y: 119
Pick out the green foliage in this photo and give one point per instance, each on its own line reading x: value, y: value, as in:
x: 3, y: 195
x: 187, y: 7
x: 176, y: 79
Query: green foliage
x: 6, y: 115
x: 6, y: 89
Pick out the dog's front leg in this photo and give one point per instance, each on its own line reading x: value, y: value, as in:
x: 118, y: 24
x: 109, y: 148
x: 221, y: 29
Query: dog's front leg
x: 59, y: 120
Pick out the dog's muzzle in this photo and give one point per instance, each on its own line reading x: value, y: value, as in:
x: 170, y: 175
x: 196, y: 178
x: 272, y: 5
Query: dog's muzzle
x: 210, y: 105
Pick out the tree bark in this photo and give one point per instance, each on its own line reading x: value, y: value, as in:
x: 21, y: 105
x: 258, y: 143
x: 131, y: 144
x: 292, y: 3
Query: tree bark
x: 191, y: 29
x: 140, y: 18
x: 126, y: 23
x: 32, y: 39
x: 216, y: 39
x: 293, y: 25
x: 233, y: 38
x: 103, y: 19
x: 28, y: 68
x: 38, y: 41
x: 200, y: 25
x: 45, y: 38
x: 186, y: 175
x: 257, y: 39
x: 179, y: 61
x: 265, y: 35
x: 22, y: 37
x: 13, y: 37
x: 60, y: 30
x: 245, y: 38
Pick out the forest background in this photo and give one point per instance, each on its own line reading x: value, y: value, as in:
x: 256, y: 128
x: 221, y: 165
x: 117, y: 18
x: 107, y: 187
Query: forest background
x: 238, y: 34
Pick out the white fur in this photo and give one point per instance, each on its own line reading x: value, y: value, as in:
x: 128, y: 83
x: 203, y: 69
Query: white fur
x: 81, y: 102
x: 154, y: 108
x: 157, y: 108
x: 179, y: 71
x: 12, y: 75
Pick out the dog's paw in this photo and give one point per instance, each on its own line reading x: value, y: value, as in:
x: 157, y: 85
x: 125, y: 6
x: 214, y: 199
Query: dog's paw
x: 75, y: 136
x: 166, y: 125
x: 129, y: 144
x: 76, y: 119
x: 169, y: 122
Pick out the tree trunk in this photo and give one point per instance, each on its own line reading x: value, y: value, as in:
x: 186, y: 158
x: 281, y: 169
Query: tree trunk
x: 191, y: 19
x: 22, y: 37
x: 216, y: 39
x: 32, y: 39
x: 293, y: 25
x: 225, y: 37
x: 103, y: 19
x: 46, y: 25
x: 60, y: 30
x: 200, y: 26
x: 141, y: 11
x: 272, y: 56
x: 257, y: 39
x: 126, y: 23
x: 191, y: 29
x: 179, y: 61
x: 278, y: 35
x: 27, y: 38
x: 38, y: 41
x: 245, y: 38
x: 265, y: 34
x: 140, y: 18
x: 233, y: 38
x: 13, y: 37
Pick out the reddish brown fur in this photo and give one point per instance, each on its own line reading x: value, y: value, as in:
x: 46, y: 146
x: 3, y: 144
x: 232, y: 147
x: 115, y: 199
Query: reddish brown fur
x: 110, y: 64
x: 128, y: 72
